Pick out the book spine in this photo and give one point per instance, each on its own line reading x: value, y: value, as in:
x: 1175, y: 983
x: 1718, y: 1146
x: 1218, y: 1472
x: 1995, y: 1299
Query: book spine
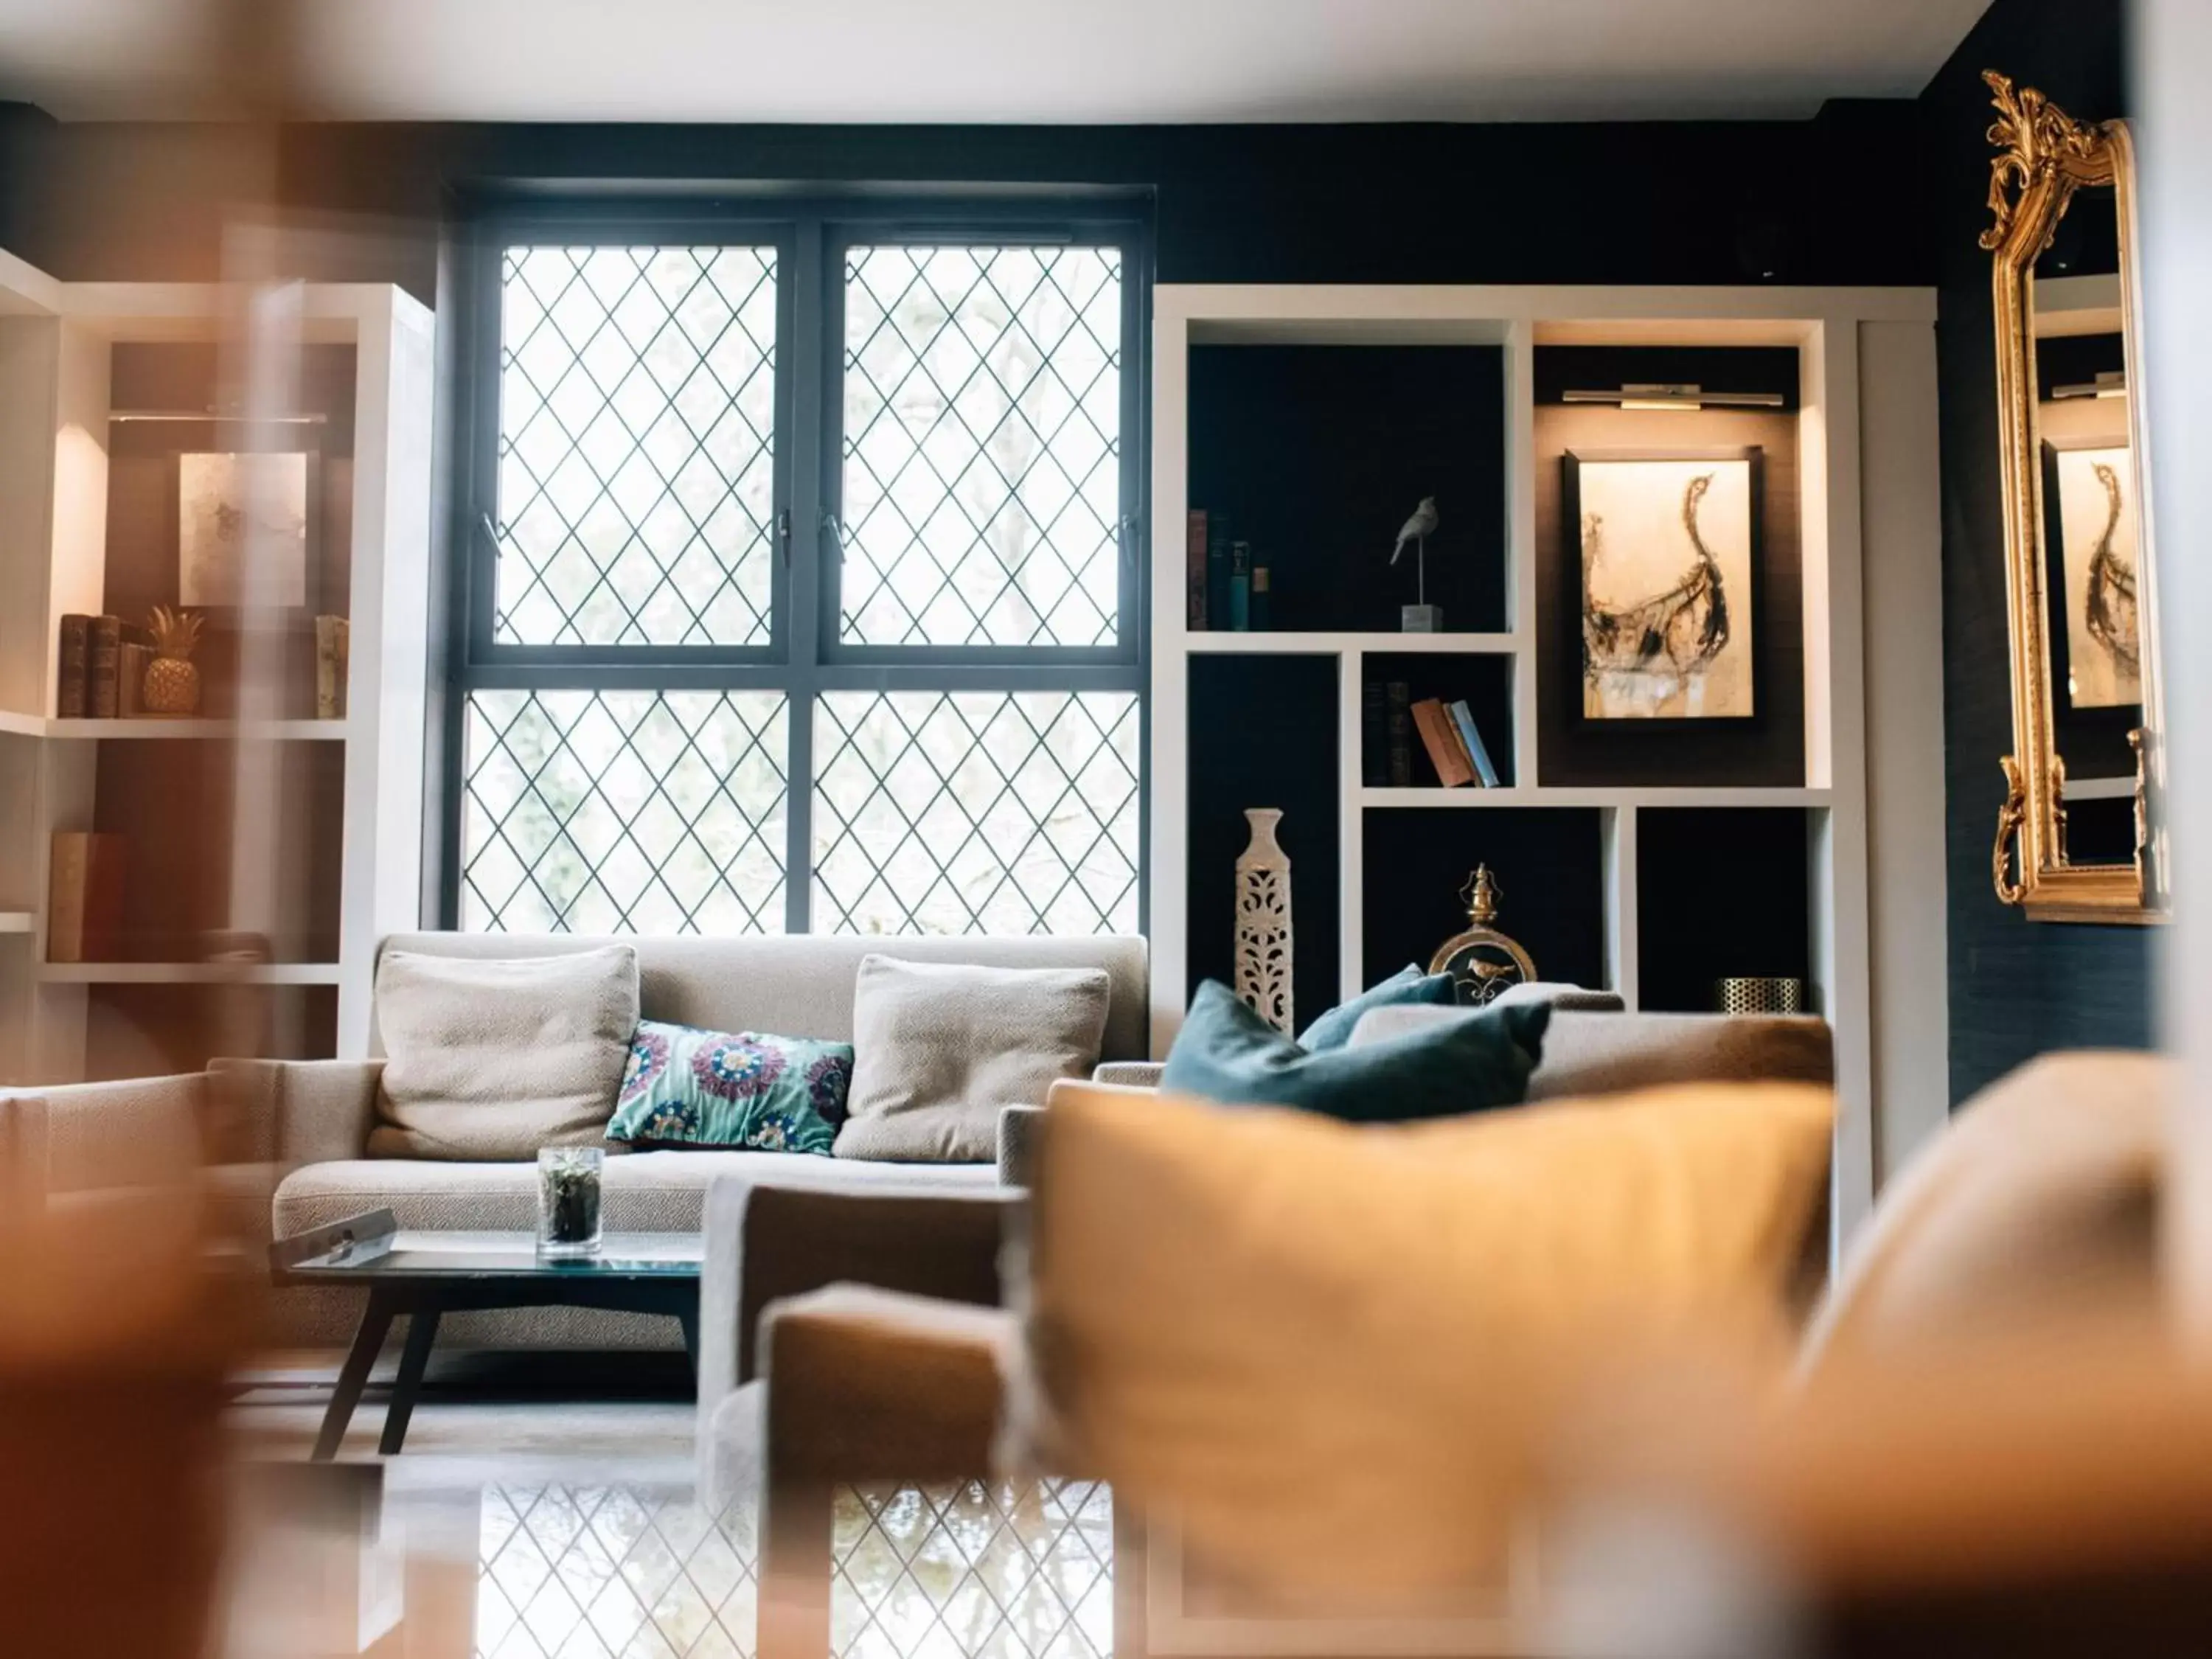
x: 1263, y: 598
x: 131, y: 679
x: 1240, y: 588
x: 1430, y: 719
x: 1374, y: 737
x: 1400, y: 732
x: 104, y: 668
x: 333, y: 649
x: 103, y: 896
x: 65, y: 885
x: 1217, y: 570
x: 1478, y: 755
x: 70, y: 659
x: 1194, y: 554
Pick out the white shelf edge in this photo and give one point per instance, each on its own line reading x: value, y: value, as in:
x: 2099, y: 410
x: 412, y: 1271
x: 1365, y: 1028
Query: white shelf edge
x: 27, y: 291
x: 2100, y: 789
x: 1222, y: 642
x: 188, y: 972
x: 155, y: 727
x: 22, y: 725
x: 18, y: 921
x: 1611, y: 795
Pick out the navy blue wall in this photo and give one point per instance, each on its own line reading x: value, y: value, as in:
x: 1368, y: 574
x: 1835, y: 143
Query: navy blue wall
x: 1678, y: 202
x: 2017, y: 988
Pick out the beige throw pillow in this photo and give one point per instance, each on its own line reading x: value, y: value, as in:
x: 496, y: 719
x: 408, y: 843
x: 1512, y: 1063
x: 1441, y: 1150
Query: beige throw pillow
x: 1337, y: 1353
x: 938, y: 1047
x: 493, y: 1059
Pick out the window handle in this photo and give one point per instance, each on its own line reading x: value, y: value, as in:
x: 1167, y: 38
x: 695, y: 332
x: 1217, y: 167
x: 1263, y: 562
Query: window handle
x: 783, y: 535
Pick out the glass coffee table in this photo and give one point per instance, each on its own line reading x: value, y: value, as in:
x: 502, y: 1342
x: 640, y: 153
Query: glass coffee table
x: 425, y: 1275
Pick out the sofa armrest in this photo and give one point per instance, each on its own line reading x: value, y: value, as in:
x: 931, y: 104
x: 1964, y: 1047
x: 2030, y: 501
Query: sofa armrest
x: 1130, y: 1073
x: 872, y: 1384
x: 767, y: 1241
x: 291, y: 1112
x: 135, y: 1131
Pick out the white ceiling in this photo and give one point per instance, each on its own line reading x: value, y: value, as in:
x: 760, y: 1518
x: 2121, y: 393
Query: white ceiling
x: 977, y: 60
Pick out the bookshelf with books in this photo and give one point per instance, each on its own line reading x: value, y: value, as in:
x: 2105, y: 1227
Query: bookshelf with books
x: 192, y: 775
x: 1310, y: 420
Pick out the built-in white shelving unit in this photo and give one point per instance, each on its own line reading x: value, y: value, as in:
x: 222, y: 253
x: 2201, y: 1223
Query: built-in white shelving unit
x: 1851, y: 344
x: 58, y: 343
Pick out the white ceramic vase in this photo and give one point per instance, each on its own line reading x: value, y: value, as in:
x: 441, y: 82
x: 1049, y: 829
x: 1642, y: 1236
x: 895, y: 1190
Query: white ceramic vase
x: 1263, y: 922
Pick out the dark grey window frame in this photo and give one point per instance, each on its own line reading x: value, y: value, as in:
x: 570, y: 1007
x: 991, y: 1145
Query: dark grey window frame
x: 804, y: 657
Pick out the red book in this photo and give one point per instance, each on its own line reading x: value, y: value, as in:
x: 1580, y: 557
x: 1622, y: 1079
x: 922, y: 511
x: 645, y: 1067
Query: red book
x: 1438, y: 737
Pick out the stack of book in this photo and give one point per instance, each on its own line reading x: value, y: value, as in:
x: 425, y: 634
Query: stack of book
x: 1224, y: 589
x: 90, y: 678
x: 84, y: 896
x: 1446, y: 732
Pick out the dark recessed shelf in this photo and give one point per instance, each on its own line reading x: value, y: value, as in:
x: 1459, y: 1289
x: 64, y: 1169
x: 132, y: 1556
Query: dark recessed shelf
x: 1549, y: 862
x: 1317, y: 454
x: 1720, y: 891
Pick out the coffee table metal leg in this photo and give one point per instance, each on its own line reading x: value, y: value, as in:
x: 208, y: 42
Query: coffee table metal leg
x: 422, y: 1332
x: 368, y: 1342
x: 688, y: 1319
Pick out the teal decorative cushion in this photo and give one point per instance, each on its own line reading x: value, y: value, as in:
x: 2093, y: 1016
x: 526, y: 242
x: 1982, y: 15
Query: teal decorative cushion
x: 686, y: 1087
x: 1227, y: 1053
x: 1409, y: 984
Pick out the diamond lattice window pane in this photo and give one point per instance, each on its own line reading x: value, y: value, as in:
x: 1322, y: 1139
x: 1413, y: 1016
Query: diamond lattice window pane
x: 624, y: 812
x: 970, y: 1570
x: 982, y: 462
x: 964, y: 813
x: 636, y: 445
x: 976, y: 1570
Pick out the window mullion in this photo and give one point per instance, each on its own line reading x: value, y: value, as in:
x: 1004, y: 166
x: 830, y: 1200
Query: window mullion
x: 804, y: 415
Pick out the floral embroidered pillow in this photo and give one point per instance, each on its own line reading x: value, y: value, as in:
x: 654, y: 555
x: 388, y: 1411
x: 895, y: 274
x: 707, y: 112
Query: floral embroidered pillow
x: 731, y: 1090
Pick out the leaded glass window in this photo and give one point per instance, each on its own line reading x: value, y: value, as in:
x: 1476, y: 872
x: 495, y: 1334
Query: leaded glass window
x: 687, y: 700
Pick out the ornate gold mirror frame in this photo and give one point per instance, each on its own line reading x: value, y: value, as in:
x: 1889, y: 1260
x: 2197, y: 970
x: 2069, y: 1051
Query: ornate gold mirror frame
x: 2044, y: 157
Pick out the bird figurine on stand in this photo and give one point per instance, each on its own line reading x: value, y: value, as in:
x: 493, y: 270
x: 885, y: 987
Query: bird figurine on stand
x: 1423, y: 618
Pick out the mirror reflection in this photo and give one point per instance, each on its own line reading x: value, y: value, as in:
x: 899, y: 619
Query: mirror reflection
x: 2090, y: 537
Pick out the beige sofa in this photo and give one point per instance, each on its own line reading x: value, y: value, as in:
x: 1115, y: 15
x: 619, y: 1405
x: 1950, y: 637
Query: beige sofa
x: 288, y: 1139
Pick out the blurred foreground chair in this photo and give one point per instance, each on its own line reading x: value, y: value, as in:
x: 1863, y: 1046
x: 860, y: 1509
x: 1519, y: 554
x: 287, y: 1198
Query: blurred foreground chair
x: 120, y: 1317
x: 2024, y: 1238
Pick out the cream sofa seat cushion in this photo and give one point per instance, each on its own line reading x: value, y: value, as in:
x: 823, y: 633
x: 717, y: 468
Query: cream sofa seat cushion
x: 939, y: 1048
x: 1332, y: 1350
x: 663, y: 1192
x: 496, y: 1058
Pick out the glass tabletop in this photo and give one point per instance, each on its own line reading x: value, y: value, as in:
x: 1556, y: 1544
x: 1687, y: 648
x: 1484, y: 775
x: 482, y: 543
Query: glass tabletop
x: 439, y: 1255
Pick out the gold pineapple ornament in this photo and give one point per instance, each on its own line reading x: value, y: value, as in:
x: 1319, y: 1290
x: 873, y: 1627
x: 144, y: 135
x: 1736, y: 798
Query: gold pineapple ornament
x: 172, y: 680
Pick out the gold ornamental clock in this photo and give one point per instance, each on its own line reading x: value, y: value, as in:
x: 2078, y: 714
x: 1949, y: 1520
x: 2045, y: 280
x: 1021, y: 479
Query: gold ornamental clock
x: 1482, y: 961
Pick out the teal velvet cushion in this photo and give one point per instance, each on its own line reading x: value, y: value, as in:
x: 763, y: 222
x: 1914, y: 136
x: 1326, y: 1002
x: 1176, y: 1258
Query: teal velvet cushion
x: 1409, y: 984
x: 687, y: 1087
x: 1225, y: 1052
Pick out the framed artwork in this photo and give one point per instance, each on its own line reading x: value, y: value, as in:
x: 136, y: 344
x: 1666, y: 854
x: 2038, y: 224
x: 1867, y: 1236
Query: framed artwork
x: 228, y: 504
x: 2089, y: 515
x: 1666, y: 548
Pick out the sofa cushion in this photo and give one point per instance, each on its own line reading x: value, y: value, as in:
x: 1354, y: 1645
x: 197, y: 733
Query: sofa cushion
x: 1409, y: 985
x: 2037, y: 1205
x: 1227, y: 1053
x: 496, y: 1058
x: 1337, y: 1352
x: 1604, y: 1053
x: 938, y: 1047
x: 739, y: 1091
x: 662, y: 1192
